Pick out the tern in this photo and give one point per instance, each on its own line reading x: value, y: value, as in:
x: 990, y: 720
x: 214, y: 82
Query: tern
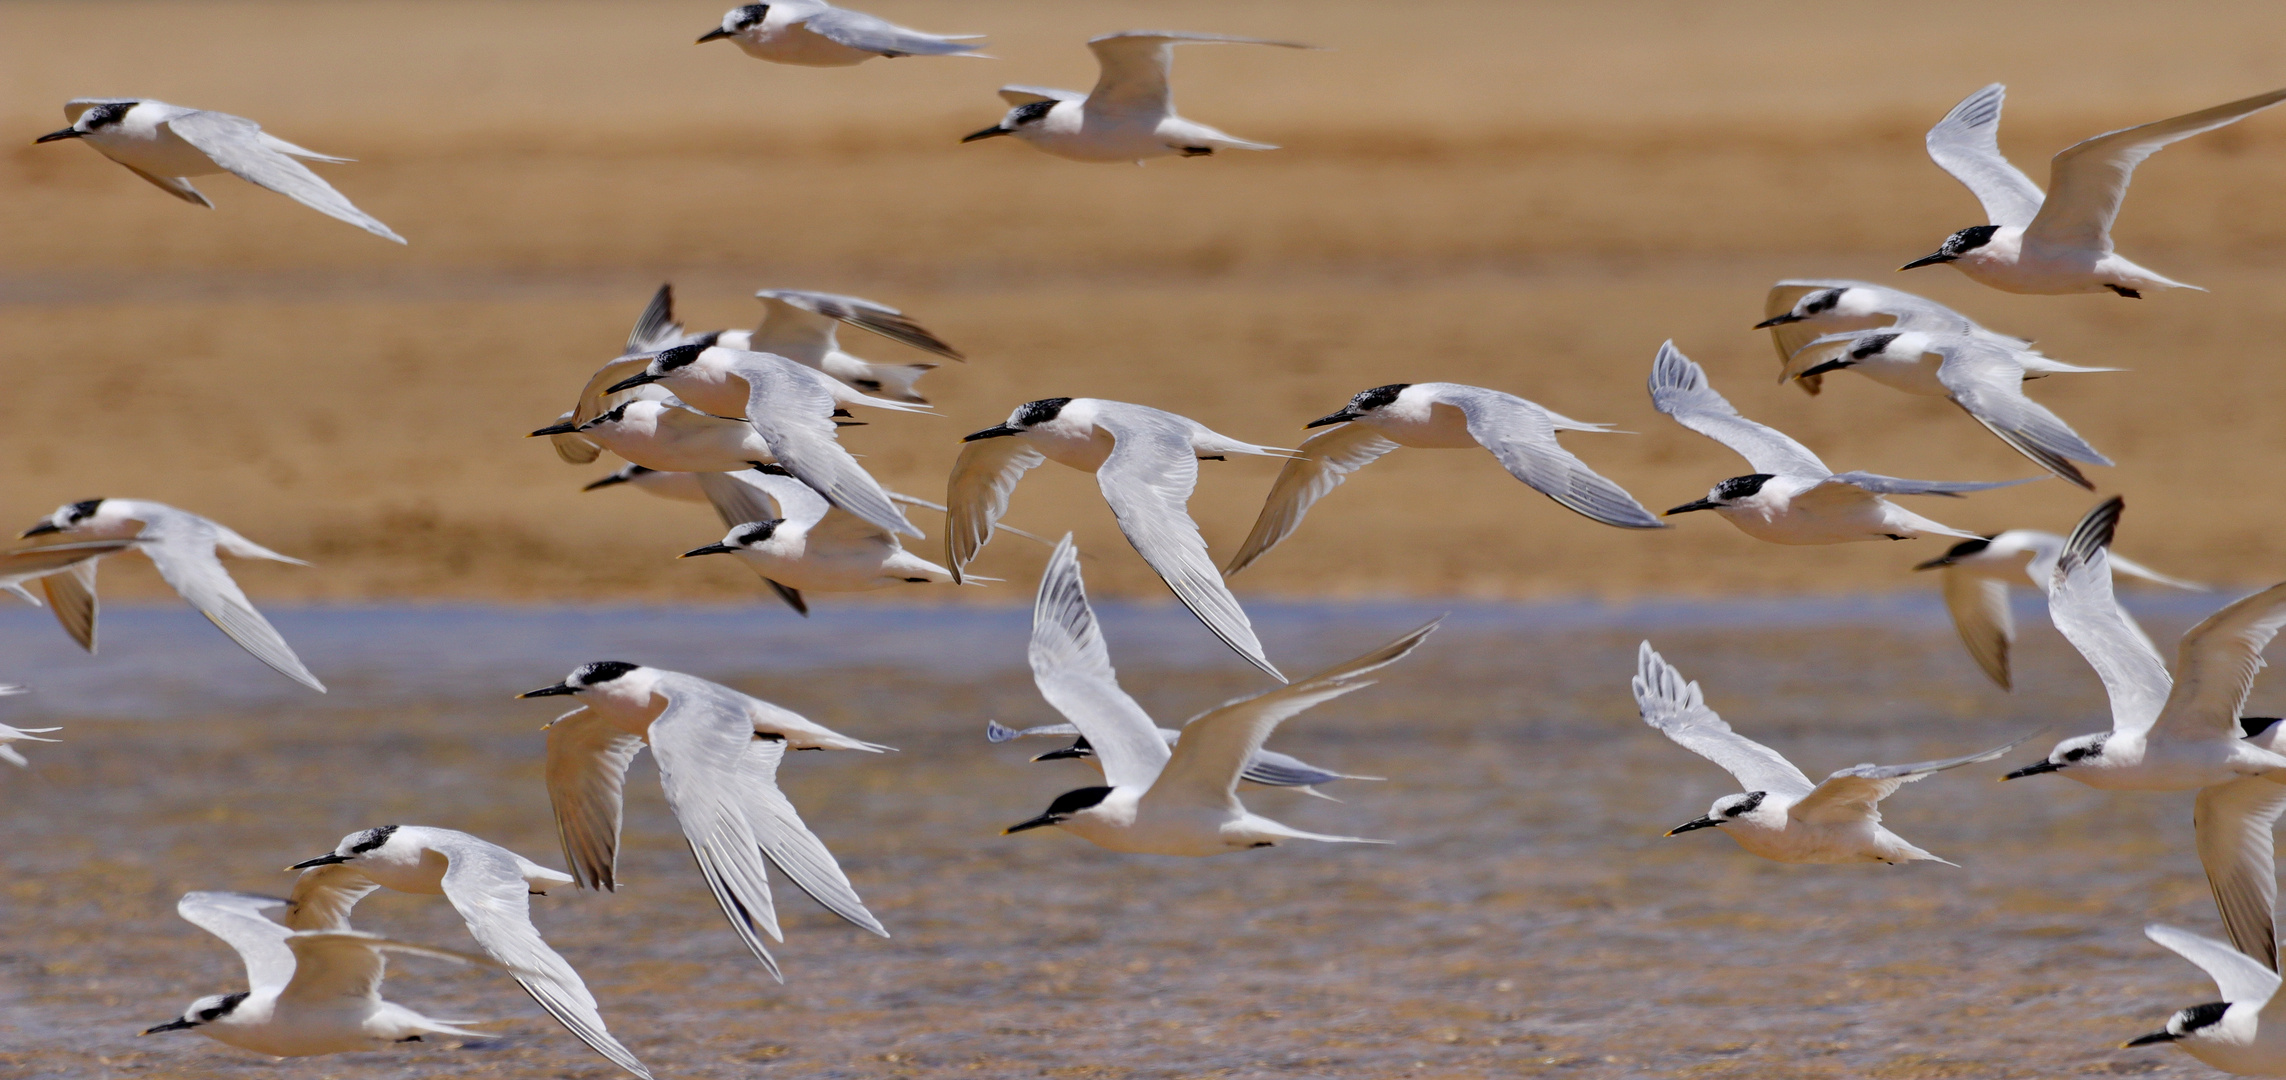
x: 183, y: 546
x: 308, y: 992
x: 812, y: 33
x: 1145, y: 460
x: 800, y: 326
x: 167, y: 144
x: 2059, y: 242
x: 1976, y: 578
x: 1267, y: 768
x: 667, y: 436
x: 2238, y: 1034
x: 1520, y: 434
x: 1985, y: 378
x: 17, y: 734
x: 1791, y: 497
x: 1800, y: 310
x: 790, y: 406
x: 798, y: 542
x: 718, y: 752
x: 490, y: 886
x: 1130, y: 115
x: 2185, y: 733
x: 1157, y: 800
x: 1783, y: 817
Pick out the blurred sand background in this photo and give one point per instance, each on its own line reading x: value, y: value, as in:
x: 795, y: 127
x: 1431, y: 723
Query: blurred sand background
x: 1526, y: 197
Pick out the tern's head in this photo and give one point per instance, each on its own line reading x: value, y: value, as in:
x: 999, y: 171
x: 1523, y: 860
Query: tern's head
x: 1964, y: 552
x: 1956, y: 246
x: 1822, y: 303
x: 95, y: 118
x: 381, y: 843
x: 1365, y: 404
x: 665, y: 364
x: 736, y: 21
x: 616, y: 415
x: 1727, y: 809
x: 1020, y: 120
x: 603, y: 678
x: 1066, y: 806
x: 745, y: 537
x: 1734, y: 492
x: 1027, y: 416
x: 70, y: 517
x: 2077, y: 752
x: 2197, y: 1022
x: 205, y: 1010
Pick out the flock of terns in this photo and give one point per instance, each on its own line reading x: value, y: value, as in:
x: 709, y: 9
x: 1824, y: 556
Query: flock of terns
x: 749, y: 423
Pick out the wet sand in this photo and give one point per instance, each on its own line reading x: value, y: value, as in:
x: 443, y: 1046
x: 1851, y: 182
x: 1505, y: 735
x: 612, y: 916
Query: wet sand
x: 1527, y: 918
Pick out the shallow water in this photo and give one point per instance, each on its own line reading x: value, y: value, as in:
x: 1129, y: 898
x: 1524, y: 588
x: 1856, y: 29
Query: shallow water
x: 1527, y: 919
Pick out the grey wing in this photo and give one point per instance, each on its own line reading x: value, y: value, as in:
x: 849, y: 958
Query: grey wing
x: 587, y: 777
x: 2081, y: 604
x: 872, y: 34
x: 656, y: 327
x: 173, y: 185
x: 183, y: 551
x: 2088, y: 179
x: 323, y: 896
x: 1273, y: 769
x: 2236, y: 823
x: 1855, y: 793
x: 1522, y: 437
x: 977, y: 492
x: 1135, y: 64
x: 2235, y: 974
x: 1966, y: 143
x: 865, y: 314
x: 485, y: 884
x: 2215, y: 667
x: 1147, y: 479
x: 1326, y: 459
x: 1897, y: 485
x: 1979, y: 606
x: 235, y: 143
x: 1073, y: 670
x: 698, y: 740
x: 1989, y: 385
x: 763, y: 495
x: 1679, y: 711
x: 788, y: 842
x: 1018, y: 94
x: 1680, y: 389
x: 793, y: 411
x: 240, y: 920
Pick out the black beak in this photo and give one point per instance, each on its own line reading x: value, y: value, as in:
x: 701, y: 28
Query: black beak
x: 1686, y: 508
x: 1830, y: 365
x: 41, y: 529
x: 1936, y: 563
x: 1040, y: 822
x: 641, y: 378
x: 994, y: 432
x: 1694, y: 824
x: 75, y: 133
x: 1076, y: 750
x: 1342, y: 417
x: 2034, y: 770
x: 716, y: 34
x: 1777, y: 320
x: 987, y: 133
x: 710, y: 549
x: 327, y: 859
x: 557, y: 690
x: 2146, y: 1040
x: 178, y: 1023
x: 565, y: 428
x: 1926, y: 260
x: 614, y: 478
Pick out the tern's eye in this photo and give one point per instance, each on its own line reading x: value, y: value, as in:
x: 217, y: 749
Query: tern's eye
x: 2074, y: 754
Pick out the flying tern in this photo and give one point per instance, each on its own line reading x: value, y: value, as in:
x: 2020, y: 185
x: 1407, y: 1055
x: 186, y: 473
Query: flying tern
x: 2239, y: 1034
x: 1520, y: 434
x: 812, y: 33
x: 796, y: 541
x: 1783, y: 817
x: 1158, y: 800
x: 1790, y: 497
x: 183, y: 546
x: 1130, y: 115
x: 2059, y: 242
x: 1145, y: 460
x: 1977, y: 574
x: 1267, y: 768
x: 801, y: 326
x: 167, y: 144
x: 666, y: 436
x: 1803, y: 309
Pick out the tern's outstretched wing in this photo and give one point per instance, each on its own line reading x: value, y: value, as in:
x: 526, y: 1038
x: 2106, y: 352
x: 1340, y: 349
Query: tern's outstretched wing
x: 1979, y: 606
x: 792, y: 407
x: 2235, y: 974
x: 2236, y: 824
x: 788, y: 842
x: 1898, y: 485
x: 1680, y: 389
x: 235, y: 143
x: 2081, y: 604
x: 983, y: 478
x: 1855, y: 793
x: 768, y: 493
x: 181, y: 545
x: 587, y: 776
x: 1988, y: 384
x: 863, y: 314
x: 2215, y: 667
x: 1218, y: 745
x: 997, y: 732
x: 655, y: 327
x: 1966, y: 143
x: 699, y: 740
x: 1073, y: 671
x: 330, y: 965
x: 66, y: 573
x: 1135, y: 64
x: 241, y: 920
x: 2087, y: 180
x: 1679, y: 711
x: 324, y: 895
x: 1326, y: 459
x: 1522, y: 436
x: 872, y: 34
x: 1147, y: 479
